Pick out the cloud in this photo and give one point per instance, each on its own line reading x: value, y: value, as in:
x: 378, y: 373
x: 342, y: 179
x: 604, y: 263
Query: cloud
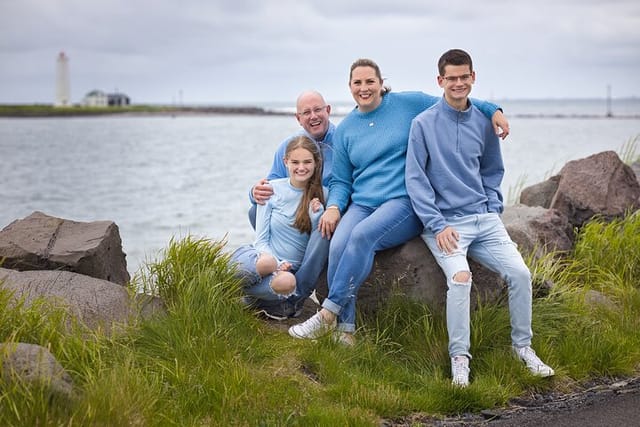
x: 258, y: 51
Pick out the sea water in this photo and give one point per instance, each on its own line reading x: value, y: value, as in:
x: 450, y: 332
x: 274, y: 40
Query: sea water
x: 161, y: 177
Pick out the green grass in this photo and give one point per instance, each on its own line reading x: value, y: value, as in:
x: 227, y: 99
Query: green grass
x: 212, y: 362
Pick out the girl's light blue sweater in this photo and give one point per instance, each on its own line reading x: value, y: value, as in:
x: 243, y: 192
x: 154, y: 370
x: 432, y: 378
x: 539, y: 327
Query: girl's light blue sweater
x: 274, y: 224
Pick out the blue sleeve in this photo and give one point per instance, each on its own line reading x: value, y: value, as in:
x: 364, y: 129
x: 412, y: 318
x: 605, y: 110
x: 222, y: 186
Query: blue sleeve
x: 492, y: 172
x: 341, y: 184
x: 430, y: 100
x: 420, y: 190
x: 263, y: 229
x: 487, y: 108
x: 278, y: 168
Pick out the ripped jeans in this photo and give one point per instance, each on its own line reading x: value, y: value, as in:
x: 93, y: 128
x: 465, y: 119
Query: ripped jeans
x: 253, y: 285
x: 484, y: 238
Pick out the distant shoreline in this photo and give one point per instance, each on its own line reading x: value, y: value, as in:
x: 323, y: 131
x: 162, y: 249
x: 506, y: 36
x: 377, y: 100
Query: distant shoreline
x: 132, y: 110
x: 35, y: 111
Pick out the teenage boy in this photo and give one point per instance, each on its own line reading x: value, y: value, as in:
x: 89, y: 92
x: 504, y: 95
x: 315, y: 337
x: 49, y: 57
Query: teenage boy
x: 453, y: 176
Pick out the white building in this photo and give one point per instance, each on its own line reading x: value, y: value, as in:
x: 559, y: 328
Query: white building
x: 96, y: 98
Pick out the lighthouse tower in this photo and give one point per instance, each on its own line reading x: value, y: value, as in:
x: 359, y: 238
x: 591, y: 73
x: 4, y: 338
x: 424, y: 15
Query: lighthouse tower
x: 62, y: 81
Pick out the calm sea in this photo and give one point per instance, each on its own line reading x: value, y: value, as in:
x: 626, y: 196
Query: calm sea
x: 159, y: 178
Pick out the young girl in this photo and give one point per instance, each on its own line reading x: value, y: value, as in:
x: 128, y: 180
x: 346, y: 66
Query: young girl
x: 283, y: 226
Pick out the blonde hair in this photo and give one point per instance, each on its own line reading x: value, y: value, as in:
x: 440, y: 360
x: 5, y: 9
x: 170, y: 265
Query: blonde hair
x: 313, y: 187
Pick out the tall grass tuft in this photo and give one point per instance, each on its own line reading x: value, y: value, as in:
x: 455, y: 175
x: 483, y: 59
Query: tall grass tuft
x: 628, y: 151
x: 182, y: 261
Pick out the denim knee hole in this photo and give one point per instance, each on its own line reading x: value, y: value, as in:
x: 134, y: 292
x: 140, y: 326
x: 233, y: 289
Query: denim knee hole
x: 462, y: 278
x: 285, y: 294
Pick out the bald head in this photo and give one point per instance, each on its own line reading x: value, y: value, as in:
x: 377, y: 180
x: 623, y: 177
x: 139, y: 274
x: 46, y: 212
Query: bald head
x: 309, y: 96
x: 312, y: 112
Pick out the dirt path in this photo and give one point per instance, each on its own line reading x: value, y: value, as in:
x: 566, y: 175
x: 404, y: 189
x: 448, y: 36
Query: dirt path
x: 607, y: 403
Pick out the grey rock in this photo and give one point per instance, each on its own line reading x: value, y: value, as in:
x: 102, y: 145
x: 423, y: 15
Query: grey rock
x: 595, y: 299
x: 34, y: 364
x: 43, y: 242
x: 540, y: 194
x: 635, y: 167
x: 411, y: 270
x: 97, y: 303
x: 599, y: 185
x: 538, y: 231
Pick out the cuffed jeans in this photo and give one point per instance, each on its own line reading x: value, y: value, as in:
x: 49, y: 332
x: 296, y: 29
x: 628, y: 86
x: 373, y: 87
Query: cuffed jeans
x: 485, y: 239
x: 362, y: 232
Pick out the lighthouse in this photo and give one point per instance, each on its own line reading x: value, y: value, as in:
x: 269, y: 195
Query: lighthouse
x: 62, y: 81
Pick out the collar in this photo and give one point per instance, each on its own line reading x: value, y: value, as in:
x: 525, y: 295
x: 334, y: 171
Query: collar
x: 453, y: 114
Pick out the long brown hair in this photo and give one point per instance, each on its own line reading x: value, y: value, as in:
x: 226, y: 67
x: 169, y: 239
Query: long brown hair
x: 313, y: 187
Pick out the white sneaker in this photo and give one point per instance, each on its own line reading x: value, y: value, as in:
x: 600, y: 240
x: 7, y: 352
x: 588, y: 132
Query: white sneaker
x: 460, y: 371
x: 312, y: 328
x: 533, y: 362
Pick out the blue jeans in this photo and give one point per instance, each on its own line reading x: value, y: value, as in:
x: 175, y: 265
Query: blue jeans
x: 253, y: 284
x: 252, y: 215
x: 486, y: 240
x: 313, y: 262
x: 362, y: 232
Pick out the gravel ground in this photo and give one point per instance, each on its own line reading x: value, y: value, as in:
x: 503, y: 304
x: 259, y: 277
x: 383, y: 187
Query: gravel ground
x: 606, y: 402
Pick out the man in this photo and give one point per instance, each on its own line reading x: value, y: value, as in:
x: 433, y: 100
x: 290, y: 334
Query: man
x: 453, y: 176
x: 312, y: 113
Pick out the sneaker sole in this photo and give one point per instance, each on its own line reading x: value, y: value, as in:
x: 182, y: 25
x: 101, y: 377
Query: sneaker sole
x: 265, y: 313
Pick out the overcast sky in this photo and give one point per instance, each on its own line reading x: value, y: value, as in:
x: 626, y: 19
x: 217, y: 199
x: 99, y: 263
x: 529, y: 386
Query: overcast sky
x: 246, y: 51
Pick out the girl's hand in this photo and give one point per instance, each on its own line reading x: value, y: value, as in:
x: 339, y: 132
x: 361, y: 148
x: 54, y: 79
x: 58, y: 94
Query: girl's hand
x: 284, y: 266
x: 315, y: 205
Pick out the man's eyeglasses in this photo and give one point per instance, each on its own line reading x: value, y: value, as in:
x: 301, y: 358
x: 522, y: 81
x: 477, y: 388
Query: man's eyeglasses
x: 452, y: 79
x: 316, y: 111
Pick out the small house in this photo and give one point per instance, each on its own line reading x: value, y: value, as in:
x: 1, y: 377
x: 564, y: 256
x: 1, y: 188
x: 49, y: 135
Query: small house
x: 96, y: 98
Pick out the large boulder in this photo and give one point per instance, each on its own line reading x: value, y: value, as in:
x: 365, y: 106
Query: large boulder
x: 43, y: 242
x: 599, y: 185
x: 96, y: 303
x: 411, y: 270
x: 540, y: 194
x: 635, y: 167
x: 34, y: 365
x: 537, y: 230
